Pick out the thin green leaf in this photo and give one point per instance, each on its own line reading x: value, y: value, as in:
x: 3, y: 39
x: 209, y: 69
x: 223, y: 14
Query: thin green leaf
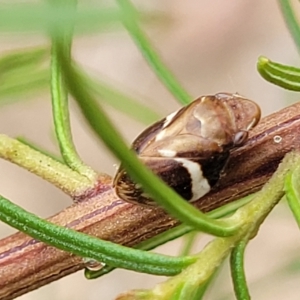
x: 24, y: 57
x: 146, y: 245
x: 292, y: 193
x: 60, y: 99
x: 150, y: 54
x: 291, y: 20
x: 238, y: 272
x: 287, y: 77
x: 182, y: 229
x: 21, y: 74
x: 88, y: 246
x: 19, y: 84
x: 189, y: 241
x: 164, y: 195
x: 230, y: 208
x: 174, y: 233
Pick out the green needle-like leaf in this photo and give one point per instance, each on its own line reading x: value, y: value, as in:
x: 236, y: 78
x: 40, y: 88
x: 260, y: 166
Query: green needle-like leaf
x: 87, y: 246
x: 22, y: 58
x: 60, y: 99
x: 145, y: 245
x: 284, y: 76
x: 292, y: 193
x: 237, y: 271
x: 291, y: 20
x: 174, y: 233
x: 17, y: 85
x: 21, y: 73
x: 145, y: 46
x: 189, y: 242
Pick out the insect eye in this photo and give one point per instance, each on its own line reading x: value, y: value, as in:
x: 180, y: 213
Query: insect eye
x: 240, y: 137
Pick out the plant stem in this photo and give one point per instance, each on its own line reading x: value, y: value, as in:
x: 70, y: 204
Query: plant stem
x: 47, y: 168
x: 39, y: 149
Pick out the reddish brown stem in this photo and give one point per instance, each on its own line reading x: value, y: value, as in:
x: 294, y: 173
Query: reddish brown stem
x: 26, y: 264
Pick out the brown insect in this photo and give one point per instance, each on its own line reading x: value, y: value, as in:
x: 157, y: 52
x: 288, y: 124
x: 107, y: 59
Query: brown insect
x: 189, y: 148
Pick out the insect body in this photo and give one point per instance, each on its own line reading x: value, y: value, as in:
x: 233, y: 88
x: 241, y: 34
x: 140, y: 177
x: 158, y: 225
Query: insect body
x: 189, y: 148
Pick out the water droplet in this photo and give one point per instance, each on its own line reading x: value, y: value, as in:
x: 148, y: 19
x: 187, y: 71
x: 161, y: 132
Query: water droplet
x: 277, y: 139
x: 92, y: 264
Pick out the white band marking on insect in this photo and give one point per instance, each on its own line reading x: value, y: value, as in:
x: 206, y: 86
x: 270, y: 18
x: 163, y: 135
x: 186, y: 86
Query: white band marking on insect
x: 200, y: 185
x: 167, y: 152
x: 168, y: 120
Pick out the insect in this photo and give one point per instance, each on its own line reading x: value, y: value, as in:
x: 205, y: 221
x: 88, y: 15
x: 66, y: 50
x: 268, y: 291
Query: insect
x: 190, y: 147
